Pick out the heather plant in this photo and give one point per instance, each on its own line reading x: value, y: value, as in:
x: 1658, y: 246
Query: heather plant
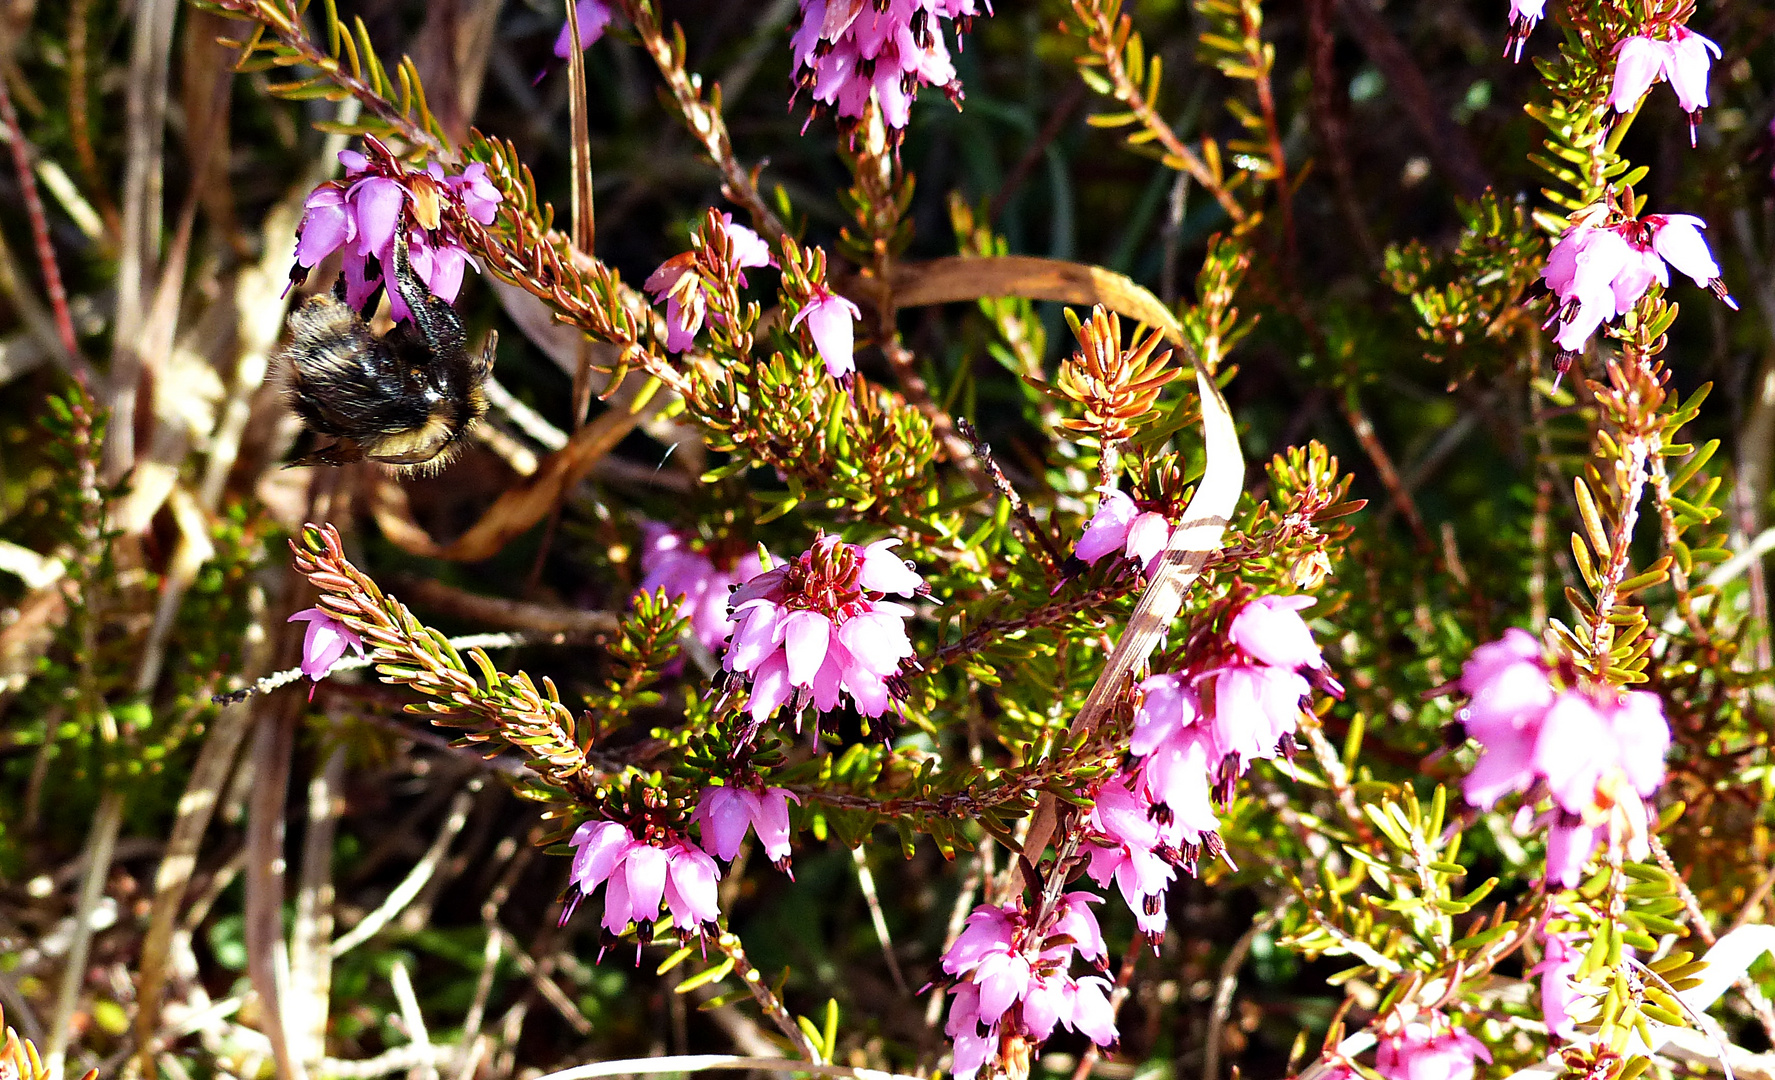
x: 1188, y: 537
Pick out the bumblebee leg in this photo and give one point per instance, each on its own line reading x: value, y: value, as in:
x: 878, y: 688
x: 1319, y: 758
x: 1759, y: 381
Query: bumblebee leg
x: 434, y: 320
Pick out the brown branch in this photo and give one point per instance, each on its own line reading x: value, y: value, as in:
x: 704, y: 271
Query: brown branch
x: 1104, y: 36
x: 703, y: 118
x: 27, y: 182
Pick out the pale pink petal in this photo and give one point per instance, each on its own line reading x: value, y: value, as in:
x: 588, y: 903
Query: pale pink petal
x: 806, y: 637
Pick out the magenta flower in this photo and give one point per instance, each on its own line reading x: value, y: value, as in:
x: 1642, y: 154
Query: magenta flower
x: 325, y: 642
x: 1421, y: 1052
x: 1524, y: 14
x: 820, y: 628
x: 594, y: 16
x: 638, y: 877
x: 1129, y: 848
x: 1600, y: 273
x: 1271, y: 630
x: 1599, y: 755
x: 1014, y: 978
x: 679, y: 284
x: 1684, y: 60
x: 847, y: 52
x: 702, y: 588
x: 725, y: 813
x: 1120, y: 525
x: 1559, y: 992
x: 359, y: 215
x: 829, y: 317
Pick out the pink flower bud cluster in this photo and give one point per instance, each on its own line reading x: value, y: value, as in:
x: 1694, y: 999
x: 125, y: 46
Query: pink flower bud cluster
x: 1014, y: 980
x: 692, y: 578
x: 1599, y: 273
x: 849, y: 50
x: 1598, y: 754
x: 1121, y: 526
x: 359, y: 215
x: 639, y: 875
x: 1429, y: 1051
x: 1684, y: 58
x: 725, y: 813
x: 1194, y: 734
x: 678, y: 283
x: 820, y: 628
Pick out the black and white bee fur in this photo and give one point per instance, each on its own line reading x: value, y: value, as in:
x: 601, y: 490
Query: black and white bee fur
x: 404, y: 399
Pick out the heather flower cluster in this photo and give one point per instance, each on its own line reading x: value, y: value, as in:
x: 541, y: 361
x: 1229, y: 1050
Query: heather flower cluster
x: 820, y: 629
x: 678, y: 283
x: 1194, y: 734
x: 1014, y: 980
x: 1598, y: 273
x: 639, y: 875
x: 360, y: 214
x: 691, y: 577
x: 1121, y: 526
x: 725, y: 814
x: 1684, y: 58
x: 1429, y: 1050
x: 1598, y: 753
x: 847, y: 51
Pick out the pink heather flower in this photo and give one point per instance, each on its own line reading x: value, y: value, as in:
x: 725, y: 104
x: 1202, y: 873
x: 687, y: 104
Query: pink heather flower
x: 678, y: 283
x: 1684, y: 60
x: 1600, y: 273
x: 1014, y: 979
x: 1120, y: 525
x: 829, y: 317
x: 359, y: 215
x: 594, y: 16
x: 325, y: 642
x: 1271, y: 630
x: 725, y: 813
x: 1129, y: 848
x: 1524, y: 14
x: 1678, y: 241
x: 1640, y: 61
x: 1559, y: 993
x: 847, y: 52
x: 701, y: 587
x: 1420, y: 1052
x: 1570, y: 843
x: 1600, y: 757
x: 820, y: 628
x: 638, y: 877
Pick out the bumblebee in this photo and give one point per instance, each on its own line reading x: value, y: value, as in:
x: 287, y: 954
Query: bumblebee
x: 404, y: 399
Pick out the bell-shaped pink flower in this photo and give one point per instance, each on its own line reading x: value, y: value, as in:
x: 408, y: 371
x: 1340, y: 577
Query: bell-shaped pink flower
x: 1271, y: 630
x: 725, y: 813
x: 820, y: 628
x: 829, y: 317
x: 701, y: 588
x: 1425, y: 1052
x: 1128, y: 851
x: 325, y: 642
x: 1691, y: 57
x: 1678, y: 241
x: 678, y: 283
x: 1570, y: 843
x: 1640, y: 61
x: 638, y: 878
x: 1120, y: 525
